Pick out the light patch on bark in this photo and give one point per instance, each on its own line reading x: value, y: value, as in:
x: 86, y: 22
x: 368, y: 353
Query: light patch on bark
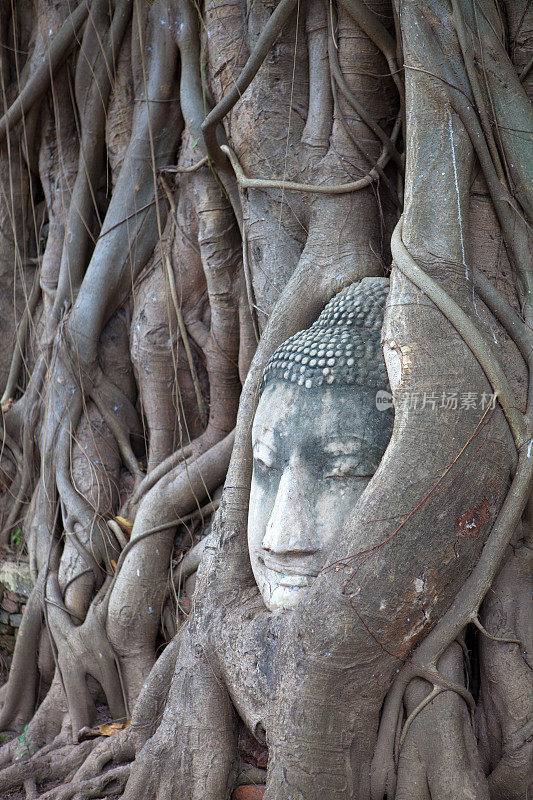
x: 398, y: 361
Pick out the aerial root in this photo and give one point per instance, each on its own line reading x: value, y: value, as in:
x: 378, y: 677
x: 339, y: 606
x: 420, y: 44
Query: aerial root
x: 503, y: 639
x: 394, y: 710
x: 111, y: 782
x: 310, y: 188
x: 37, y: 85
x: 49, y: 764
x: 268, y: 36
x: 420, y: 707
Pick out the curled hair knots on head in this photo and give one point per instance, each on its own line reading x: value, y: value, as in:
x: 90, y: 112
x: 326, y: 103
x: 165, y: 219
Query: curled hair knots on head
x: 342, y: 347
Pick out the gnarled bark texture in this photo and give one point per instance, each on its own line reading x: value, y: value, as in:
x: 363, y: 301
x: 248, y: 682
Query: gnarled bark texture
x: 183, y: 187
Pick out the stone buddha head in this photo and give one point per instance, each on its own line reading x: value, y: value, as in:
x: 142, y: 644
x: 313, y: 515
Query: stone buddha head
x: 318, y: 437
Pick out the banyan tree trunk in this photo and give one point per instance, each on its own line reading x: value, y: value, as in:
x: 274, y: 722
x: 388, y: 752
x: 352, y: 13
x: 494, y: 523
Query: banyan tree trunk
x: 183, y: 187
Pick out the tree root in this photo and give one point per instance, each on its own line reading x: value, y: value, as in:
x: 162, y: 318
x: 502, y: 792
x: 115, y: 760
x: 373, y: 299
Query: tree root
x: 193, y: 99
x: 30, y: 421
x: 122, y: 435
x: 48, y: 728
x: 82, y: 650
x: 503, y: 715
x: 312, y: 188
x: 204, y: 755
x: 481, y: 629
x: 22, y: 333
x: 111, y: 782
x: 336, y: 73
x: 99, y: 48
x: 22, y: 682
x: 108, y: 752
x: 439, y: 757
x: 164, y: 467
x: 179, y: 316
x: 436, y: 690
x: 96, y: 768
x: 133, y: 618
x: 185, y: 170
x: 389, y: 144
x: 370, y: 23
x: 514, y: 227
x: 183, y: 741
x: 52, y: 764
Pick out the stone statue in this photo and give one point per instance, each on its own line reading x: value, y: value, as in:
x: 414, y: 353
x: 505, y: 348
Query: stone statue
x: 318, y: 437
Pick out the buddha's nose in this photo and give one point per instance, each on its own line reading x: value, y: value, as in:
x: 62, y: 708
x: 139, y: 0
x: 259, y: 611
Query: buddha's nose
x: 291, y: 528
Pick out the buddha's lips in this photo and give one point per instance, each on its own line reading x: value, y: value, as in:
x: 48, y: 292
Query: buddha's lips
x: 289, y: 571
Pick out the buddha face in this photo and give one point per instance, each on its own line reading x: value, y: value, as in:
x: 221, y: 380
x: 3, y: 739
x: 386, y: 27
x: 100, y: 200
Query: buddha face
x: 314, y: 452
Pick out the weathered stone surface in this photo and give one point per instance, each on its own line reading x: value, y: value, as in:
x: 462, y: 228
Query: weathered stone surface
x: 7, y: 643
x: 15, y: 576
x: 15, y: 620
x: 11, y: 606
x: 4, y: 618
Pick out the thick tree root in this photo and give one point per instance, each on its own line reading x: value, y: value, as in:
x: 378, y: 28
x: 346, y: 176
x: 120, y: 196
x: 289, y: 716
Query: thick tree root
x: 53, y: 764
x: 39, y: 82
x: 202, y: 742
x: 85, y: 650
x: 111, y: 782
x: 504, y: 714
x: 439, y: 757
x: 464, y: 610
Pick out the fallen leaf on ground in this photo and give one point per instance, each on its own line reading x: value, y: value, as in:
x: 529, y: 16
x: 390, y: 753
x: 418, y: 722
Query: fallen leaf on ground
x: 110, y: 728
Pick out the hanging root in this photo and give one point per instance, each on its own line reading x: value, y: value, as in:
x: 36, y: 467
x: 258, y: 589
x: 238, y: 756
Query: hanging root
x: 265, y: 41
x: 39, y: 82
